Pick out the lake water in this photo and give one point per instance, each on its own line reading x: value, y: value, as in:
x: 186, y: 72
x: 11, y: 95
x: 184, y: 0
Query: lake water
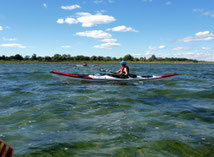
x: 42, y: 114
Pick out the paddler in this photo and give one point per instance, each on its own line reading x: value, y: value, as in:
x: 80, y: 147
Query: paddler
x: 84, y: 64
x: 124, y: 70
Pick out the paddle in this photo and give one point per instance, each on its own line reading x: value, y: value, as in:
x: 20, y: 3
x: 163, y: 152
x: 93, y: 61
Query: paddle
x: 114, y: 74
x: 104, y: 70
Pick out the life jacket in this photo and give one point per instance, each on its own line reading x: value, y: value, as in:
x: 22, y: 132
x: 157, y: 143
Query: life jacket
x: 122, y: 70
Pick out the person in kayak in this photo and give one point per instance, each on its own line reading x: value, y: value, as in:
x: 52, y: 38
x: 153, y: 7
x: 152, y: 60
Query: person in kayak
x: 124, y: 70
x: 84, y: 64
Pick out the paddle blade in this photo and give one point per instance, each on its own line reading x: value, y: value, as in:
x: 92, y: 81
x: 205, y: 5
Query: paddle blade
x: 103, y: 70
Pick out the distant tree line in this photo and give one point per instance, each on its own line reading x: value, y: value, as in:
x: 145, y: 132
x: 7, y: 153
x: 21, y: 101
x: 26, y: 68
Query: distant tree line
x: 66, y: 57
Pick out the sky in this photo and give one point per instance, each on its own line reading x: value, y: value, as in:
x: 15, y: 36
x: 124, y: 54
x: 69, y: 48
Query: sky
x: 164, y: 28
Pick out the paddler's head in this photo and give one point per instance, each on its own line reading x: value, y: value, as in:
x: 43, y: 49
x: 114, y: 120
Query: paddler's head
x: 123, y: 63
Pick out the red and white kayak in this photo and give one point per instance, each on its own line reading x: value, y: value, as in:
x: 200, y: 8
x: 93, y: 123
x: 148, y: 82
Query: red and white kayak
x: 112, y: 77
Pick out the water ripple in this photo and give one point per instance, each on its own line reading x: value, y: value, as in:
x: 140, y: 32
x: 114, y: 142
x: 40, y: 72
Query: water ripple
x: 46, y: 115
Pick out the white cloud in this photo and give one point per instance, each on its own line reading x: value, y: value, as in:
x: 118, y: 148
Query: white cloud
x: 71, y: 7
x: 45, y: 5
x: 109, y: 40
x: 122, y: 29
x: 180, y: 48
x: 208, y: 13
x: 60, y: 21
x: 203, y: 12
x: 1, y: 28
x: 94, y: 34
x: 200, y: 36
x: 107, y: 45
x: 162, y: 47
x: 152, y: 48
x: 156, y: 48
x: 12, y: 45
x: 101, y: 1
x: 98, y: 1
x: 205, y: 33
x: 83, y: 14
x: 147, y: 0
x: 206, y: 48
x: 66, y: 46
x: 168, y: 3
x: 9, y: 39
x: 89, y: 20
x: 111, y: 1
x: 190, y: 39
x: 203, y: 56
x: 148, y: 53
x: 198, y: 10
x: 136, y: 54
x: 188, y: 49
x: 68, y: 20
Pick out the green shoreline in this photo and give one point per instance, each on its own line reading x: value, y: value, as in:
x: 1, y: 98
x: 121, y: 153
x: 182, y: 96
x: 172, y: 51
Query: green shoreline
x: 101, y: 62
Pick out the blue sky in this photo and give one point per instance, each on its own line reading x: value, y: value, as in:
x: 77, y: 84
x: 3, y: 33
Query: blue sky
x: 165, y: 28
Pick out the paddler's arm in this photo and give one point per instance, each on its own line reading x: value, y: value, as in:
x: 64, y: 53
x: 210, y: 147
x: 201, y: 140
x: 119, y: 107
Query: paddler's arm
x: 126, y: 71
x: 117, y: 71
x: 114, y: 72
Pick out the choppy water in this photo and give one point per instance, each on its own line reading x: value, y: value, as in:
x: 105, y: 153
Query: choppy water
x: 45, y: 115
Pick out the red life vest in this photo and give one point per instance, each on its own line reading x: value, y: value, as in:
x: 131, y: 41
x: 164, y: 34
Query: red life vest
x: 121, y: 70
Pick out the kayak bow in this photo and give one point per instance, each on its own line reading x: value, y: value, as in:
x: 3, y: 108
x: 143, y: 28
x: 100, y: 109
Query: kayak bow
x: 72, y: 75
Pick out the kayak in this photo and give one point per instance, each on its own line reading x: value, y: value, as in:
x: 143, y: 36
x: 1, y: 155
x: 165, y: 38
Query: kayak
x: 112, y: 77
x: 80, y: 65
